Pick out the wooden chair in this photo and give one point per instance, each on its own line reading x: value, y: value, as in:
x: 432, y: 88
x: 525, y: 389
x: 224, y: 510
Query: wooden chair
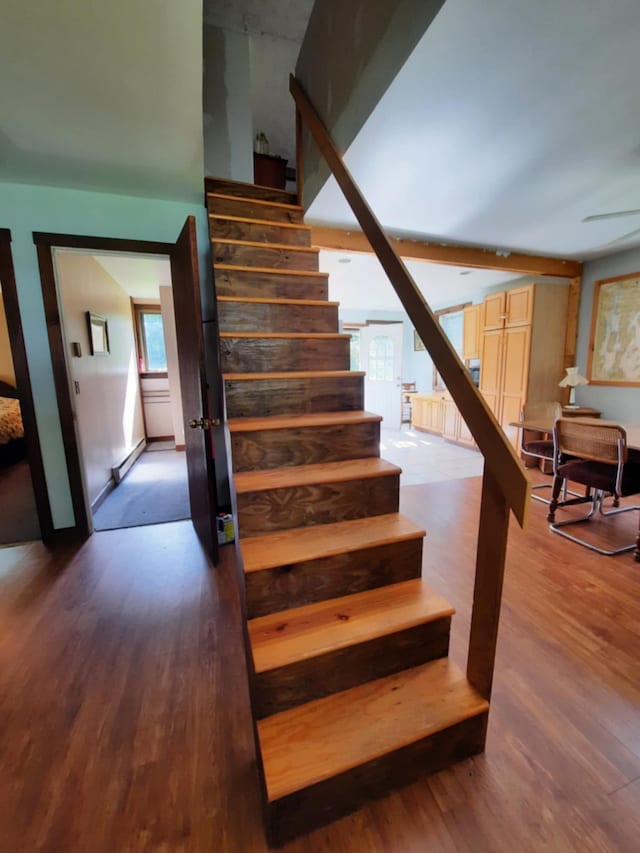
x: 595, y: 455
x: 539, y: 448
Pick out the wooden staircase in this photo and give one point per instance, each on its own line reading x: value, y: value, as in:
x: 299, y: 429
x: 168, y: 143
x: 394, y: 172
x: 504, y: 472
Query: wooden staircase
x: 352, y: 690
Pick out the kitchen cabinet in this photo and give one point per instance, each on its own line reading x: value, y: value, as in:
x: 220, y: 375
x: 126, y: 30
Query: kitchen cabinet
x: 440, y: 415
x: 427, y: 413
x: 522, y: 349
x: 471, y: 332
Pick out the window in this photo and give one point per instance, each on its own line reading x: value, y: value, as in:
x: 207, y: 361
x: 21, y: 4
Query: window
x: 451, y: 320
x: 150, y: 335
x: 381, y: 359
x: 354, y: 345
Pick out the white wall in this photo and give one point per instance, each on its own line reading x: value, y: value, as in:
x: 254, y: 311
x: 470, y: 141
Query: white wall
x: 6, y: 361
x: 108, y: 409
x: 228, y: 129
x: 619, y: 404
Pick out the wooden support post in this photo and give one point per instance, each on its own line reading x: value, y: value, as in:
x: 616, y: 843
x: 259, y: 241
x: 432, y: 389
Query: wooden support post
x: 299, y: 156
x: 487, y: 592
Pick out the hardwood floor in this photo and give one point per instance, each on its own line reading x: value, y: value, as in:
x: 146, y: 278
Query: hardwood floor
x: 125, y: 726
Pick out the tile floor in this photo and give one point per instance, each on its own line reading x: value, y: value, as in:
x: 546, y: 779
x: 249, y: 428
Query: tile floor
x: 426, y: 458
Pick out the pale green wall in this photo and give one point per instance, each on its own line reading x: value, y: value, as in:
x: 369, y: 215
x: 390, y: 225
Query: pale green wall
x: 25, y: 209
x: 616, y: 403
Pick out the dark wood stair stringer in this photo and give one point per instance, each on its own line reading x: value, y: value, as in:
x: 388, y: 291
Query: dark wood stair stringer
x: 344, y: 635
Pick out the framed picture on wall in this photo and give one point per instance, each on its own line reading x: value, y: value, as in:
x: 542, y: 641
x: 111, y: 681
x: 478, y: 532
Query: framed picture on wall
x: 614, y: 347
x: 418, y: 345
x: 98, y: 334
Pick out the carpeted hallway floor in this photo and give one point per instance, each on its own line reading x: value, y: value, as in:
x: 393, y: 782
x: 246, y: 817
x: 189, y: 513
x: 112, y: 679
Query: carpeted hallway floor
x: 154, y: 491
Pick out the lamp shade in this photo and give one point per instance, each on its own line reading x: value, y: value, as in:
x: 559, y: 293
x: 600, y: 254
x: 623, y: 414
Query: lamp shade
x: 571, y: 380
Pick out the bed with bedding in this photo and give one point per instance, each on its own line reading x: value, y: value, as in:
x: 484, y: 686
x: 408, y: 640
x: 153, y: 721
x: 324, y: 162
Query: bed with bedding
x: 12, y: 447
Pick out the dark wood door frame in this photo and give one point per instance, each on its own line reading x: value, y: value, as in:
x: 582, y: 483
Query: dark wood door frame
x: 23, y: 383
x: 45, y: 243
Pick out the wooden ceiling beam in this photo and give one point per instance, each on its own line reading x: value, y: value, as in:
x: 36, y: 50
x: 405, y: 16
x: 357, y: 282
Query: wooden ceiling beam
x: 337, y: 239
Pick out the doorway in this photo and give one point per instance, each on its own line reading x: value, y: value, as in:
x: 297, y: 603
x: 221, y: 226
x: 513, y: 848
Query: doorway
x: 25, y: 513
x: 381, y: 359
x: 88, y: 334
x: 118, y: 325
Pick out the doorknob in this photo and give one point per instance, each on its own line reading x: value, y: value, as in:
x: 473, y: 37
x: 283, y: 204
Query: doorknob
x: 203, y: 423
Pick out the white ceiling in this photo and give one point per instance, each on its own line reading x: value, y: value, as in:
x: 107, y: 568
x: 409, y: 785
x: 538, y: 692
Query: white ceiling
x: 286, y: 19
x: 140, y: 277
x: 510, y: 123
x: 103, y: 96
x: 361, y: 284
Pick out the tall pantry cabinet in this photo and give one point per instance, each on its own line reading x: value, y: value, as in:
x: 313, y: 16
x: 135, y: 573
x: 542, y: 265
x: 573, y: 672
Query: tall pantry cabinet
x: 522, y: 349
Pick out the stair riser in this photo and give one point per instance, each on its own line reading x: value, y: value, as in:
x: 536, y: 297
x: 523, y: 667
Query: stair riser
x: 299, y: 506
x: 231, y: 229
x: 249, y: 316
x: 327, y: 801
x: 281, y: 448
x: 262, y: 397
x: 314, y: 678
x: 311, y: 581
x: 242, y: 283
x: 253, y: 210
x: 274, y: 355
x: 219, y: 185
x: 257, y: 256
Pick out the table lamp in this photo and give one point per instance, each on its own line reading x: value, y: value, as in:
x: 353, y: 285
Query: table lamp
x: 572, y: 379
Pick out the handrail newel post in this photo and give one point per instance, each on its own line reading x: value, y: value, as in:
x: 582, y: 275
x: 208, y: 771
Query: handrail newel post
x: 487, y: 593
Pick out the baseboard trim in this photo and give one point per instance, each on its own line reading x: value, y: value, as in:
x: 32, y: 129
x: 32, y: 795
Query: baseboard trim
x: 119, y: 472
x: 106, y: 490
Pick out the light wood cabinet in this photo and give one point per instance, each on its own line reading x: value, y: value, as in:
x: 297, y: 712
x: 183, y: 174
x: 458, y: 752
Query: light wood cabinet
x: 427, y: 413
x: 454, y: 428
x: 471, y: 331
x: 522, y: 359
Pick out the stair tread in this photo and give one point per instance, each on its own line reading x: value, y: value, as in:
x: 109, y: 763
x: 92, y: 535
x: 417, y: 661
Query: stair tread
x: 304, y: 475
x: 318, y: 419
x: 309, y: 250
x: 251, y: 221
x: 252, y: 200
x: 288, y: 636
x: 298, y: 336
x: 294, y: 374
x: 270, y: 270
x: 285, y: 547
x: 323, y: 738
x: 277, y: 300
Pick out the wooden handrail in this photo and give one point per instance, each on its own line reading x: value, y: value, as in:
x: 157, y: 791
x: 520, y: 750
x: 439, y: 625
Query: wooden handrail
x: 506, y: 471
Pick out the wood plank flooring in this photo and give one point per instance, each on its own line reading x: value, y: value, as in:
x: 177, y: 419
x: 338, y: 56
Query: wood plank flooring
x: 124, y: 717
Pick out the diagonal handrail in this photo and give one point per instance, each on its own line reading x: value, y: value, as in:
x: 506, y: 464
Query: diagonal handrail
x: 501, y: 462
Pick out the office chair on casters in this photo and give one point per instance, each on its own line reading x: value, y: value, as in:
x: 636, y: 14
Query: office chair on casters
x: 596, y: 456
x: 539, y: 448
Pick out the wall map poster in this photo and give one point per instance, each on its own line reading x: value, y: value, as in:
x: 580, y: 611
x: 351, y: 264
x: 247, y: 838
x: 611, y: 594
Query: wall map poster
x: 614, y: 349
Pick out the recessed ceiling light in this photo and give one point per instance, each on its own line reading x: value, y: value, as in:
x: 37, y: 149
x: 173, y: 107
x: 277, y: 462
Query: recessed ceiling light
x: 344, y: 260
x: 466, y: 272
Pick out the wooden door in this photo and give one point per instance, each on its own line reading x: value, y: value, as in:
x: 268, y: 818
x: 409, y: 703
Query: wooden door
x: 519, y: 306
x: 381, y: 359
x: 450, y: 420
x: 514, y: 383
x: 491, y: 368
x: 493, y: 312
x: 471, y: 332
x: 198, y: 441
